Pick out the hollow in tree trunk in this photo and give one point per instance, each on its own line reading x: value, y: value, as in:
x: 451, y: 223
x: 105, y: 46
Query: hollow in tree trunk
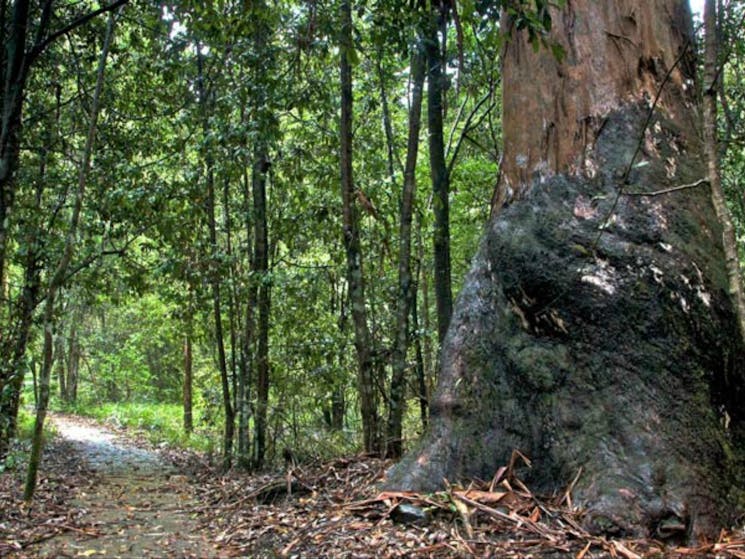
x: 595, y: 330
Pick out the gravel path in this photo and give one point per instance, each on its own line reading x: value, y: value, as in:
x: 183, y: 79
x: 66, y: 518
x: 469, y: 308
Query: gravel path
x: 136, y: 505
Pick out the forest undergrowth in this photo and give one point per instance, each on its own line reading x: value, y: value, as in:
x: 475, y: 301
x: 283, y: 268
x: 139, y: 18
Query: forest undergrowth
x: 325, y: 509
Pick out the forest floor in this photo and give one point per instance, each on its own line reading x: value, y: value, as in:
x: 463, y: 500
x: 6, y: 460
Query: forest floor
x: 105, y: 493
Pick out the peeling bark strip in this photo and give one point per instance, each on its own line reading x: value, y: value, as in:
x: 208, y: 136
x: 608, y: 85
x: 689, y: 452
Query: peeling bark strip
x: 619, y: 354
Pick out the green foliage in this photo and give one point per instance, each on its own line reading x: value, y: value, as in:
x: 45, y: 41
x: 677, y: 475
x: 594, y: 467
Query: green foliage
x: 160, y: 423
x: 145, y: 265
x: 133, y: 351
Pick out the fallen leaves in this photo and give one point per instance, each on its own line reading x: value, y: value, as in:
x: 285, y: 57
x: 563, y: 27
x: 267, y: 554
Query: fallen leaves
x: 345, y: 515
x: 332, y: 509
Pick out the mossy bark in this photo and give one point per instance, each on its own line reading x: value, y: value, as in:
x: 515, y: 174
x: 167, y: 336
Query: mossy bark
x: 595, y: 330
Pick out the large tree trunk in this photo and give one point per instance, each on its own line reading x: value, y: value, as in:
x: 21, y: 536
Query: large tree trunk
x: 595, y: 330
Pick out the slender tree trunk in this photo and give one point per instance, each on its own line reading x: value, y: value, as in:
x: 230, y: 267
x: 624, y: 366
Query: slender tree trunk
x: 337, y: 408
x: 387, y: 121
x: 711, y: 146
x: 427, y: 352
x: 421, y: 372
x: 229, y: 426
x: 247, y: 352
x: 362, y: 339
x: 394, y: 445
x: 334, y: 411
x: 233, y: 321
x: 42, y: 401
x: 261, y: 268
x: 59, y: 358
x: 59, y: 275
x: 16, y: 71
x: 228, y: 434
x: 188, y: 380
x: 73, y: 364
x: 439, y: 176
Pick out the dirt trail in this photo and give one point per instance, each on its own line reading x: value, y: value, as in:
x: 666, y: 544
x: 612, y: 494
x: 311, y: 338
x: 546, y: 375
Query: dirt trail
x: 135, y: 506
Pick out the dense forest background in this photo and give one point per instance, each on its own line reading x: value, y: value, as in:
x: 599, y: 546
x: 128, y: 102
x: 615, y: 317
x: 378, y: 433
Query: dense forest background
x: 183, y: 251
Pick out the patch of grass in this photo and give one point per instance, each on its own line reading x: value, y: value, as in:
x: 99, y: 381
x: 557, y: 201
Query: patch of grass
x: 160, y: 423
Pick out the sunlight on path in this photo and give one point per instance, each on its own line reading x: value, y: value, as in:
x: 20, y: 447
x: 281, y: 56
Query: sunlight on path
x: 107, y: 453
x: 136, y: 505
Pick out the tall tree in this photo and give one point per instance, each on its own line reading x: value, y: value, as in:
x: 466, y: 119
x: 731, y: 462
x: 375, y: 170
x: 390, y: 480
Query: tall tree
x: 206, y: 104
x: 712, y: 76
x: 26, y: 38
x: 595, y: 332
x: 265, y: 126
x: 438, y: 166
x: 260, y: 269
x: 362, y: 338
x: 20, y: 56
x: 60, y: 273
x: 394, y: 444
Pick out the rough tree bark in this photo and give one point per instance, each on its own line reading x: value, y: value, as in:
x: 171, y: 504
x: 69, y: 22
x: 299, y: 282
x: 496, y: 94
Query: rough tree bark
x: 595, y: 330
